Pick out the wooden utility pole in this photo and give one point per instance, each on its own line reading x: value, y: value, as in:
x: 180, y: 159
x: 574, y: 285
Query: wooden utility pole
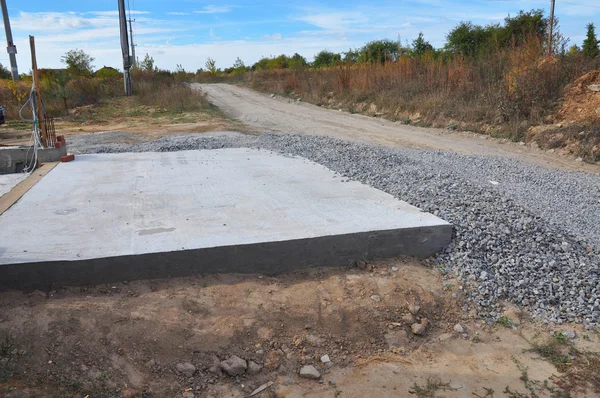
x: 39, y: 110
x: 551, y: 30
x: 125, y: 48
x: 10, y: 46
x: 133, y: 58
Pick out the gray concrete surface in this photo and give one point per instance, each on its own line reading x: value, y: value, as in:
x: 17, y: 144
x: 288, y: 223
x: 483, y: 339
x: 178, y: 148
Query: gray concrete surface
x: 9, y: 181
x: 15, y: 159
x: 108, y: 217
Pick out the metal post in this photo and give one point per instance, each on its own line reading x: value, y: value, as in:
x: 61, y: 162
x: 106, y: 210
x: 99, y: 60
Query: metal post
x: 133, y: 58
x: 551, y: 30
x: 10, y: 46
x: 125, y: 48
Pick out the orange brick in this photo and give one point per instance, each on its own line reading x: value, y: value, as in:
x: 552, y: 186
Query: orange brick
x: 67, y: 158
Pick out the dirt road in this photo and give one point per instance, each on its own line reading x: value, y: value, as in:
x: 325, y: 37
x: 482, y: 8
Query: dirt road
x: 282, y: 115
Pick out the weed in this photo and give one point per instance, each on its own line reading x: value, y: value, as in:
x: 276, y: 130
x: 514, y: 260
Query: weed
x: 430, y: 389
x: 561, y: 338
x: 488, y: 393
x: 586, y: 337
x: 506, y: 322
x: 5, y: 347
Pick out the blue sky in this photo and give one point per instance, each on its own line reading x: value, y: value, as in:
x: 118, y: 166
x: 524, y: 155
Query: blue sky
x: 186, y: 32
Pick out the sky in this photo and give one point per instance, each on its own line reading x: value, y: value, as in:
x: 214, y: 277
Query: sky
x: 187, y: 32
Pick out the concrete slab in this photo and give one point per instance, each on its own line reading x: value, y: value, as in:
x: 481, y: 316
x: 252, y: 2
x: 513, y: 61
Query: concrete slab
x: 110, y: 217
x: 9, y: 181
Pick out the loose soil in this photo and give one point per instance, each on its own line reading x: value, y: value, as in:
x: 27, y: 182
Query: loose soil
x: 125, y: 340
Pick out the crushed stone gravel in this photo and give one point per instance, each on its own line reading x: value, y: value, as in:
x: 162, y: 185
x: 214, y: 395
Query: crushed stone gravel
x: 524, y: 233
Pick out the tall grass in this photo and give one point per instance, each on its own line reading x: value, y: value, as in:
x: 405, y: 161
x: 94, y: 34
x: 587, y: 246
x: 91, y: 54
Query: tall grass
x: 504, y: 92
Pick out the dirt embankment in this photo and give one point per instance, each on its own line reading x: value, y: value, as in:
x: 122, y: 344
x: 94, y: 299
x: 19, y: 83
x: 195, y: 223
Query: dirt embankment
x: 577, y: 123
x: 167, y: 338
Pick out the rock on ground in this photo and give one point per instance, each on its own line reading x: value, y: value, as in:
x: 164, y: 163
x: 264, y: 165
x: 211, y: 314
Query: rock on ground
x: 234, y: 366
x: 186, y: 368
x: 310, y: 372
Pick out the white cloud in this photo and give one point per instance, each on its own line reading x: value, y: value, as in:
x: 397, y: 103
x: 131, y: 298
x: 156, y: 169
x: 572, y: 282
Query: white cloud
x: 214, y: 10
x: 274, y: 36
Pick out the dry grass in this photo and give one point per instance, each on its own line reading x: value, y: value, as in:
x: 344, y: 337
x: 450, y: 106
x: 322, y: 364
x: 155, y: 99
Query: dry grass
x: 502, y: 94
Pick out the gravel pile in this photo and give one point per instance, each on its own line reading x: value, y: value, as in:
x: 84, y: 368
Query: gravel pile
x: 523, y: 233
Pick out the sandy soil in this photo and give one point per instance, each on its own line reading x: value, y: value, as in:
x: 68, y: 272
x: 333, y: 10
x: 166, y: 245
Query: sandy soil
x: 282, y: 115
x: 126, y: 340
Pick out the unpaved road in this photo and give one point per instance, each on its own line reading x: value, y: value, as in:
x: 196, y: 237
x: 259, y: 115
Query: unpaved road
x: 281, y: 115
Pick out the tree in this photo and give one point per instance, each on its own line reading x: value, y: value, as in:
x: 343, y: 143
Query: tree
x: 147, y: 64
x: 380, y: 51
x: 590, y: 44
x: 420, y: 46
x: 467, y: 38
x: 211, y: 66
x: 239, y: 64
x: 326, y: 58
x: 79, y: 64
x: 297, y: 62
x: 4, y: 72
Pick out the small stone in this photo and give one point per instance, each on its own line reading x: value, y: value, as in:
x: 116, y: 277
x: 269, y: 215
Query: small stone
x: 395, y: 269
x: 458, y: 328
x: 594, y: 87
x: 418, y: 329
x: 376, y: 298
x: 445, y: 336
x: 253, y: 368
x: 234, y: 366
x: 186, y: 368
x: 579, y: 160
x: 361, y: 264
x: 188, y: 394
x: 325, y: 359
x: 409, y: 319
x: 310, y: 372
x: 150, y: 363
x: 414, y: 309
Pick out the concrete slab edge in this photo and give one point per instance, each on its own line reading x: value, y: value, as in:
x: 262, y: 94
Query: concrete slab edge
x: 268, y: 258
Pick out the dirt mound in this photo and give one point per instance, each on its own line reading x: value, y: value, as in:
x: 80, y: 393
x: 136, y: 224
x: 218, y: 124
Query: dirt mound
x: 581, y: 103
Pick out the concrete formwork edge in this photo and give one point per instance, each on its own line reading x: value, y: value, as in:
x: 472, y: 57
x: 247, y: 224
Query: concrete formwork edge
x: 268, y: 258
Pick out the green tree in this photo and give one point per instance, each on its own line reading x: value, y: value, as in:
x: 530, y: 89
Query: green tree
x: 420, y: 46
x: 590, y: 44
x: 79, y: 64
x: 280, y: 62
x: 297, y: 62
x: 326, y: 58
x: 524, y: 25
x: 107, y: 72
x: 261, y: 64
x: 380, y: 51
x: 147, y: 65
x: 4, y: 72
x: 467, y: 38
x: 211, y: 66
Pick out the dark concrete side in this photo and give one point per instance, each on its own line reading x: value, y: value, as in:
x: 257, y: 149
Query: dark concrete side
x: 15, y: 159
x: 268, y: 258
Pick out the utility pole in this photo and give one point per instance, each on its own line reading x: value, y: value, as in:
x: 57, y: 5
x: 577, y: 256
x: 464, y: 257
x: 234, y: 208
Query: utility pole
x: 10, y: 46
x: 551, y: 30
x: 125, y: 48
x: 134, y: 59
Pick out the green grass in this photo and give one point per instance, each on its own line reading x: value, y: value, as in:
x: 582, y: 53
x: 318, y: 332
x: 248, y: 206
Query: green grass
x: 506, y: 322
x: 430, y: 389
